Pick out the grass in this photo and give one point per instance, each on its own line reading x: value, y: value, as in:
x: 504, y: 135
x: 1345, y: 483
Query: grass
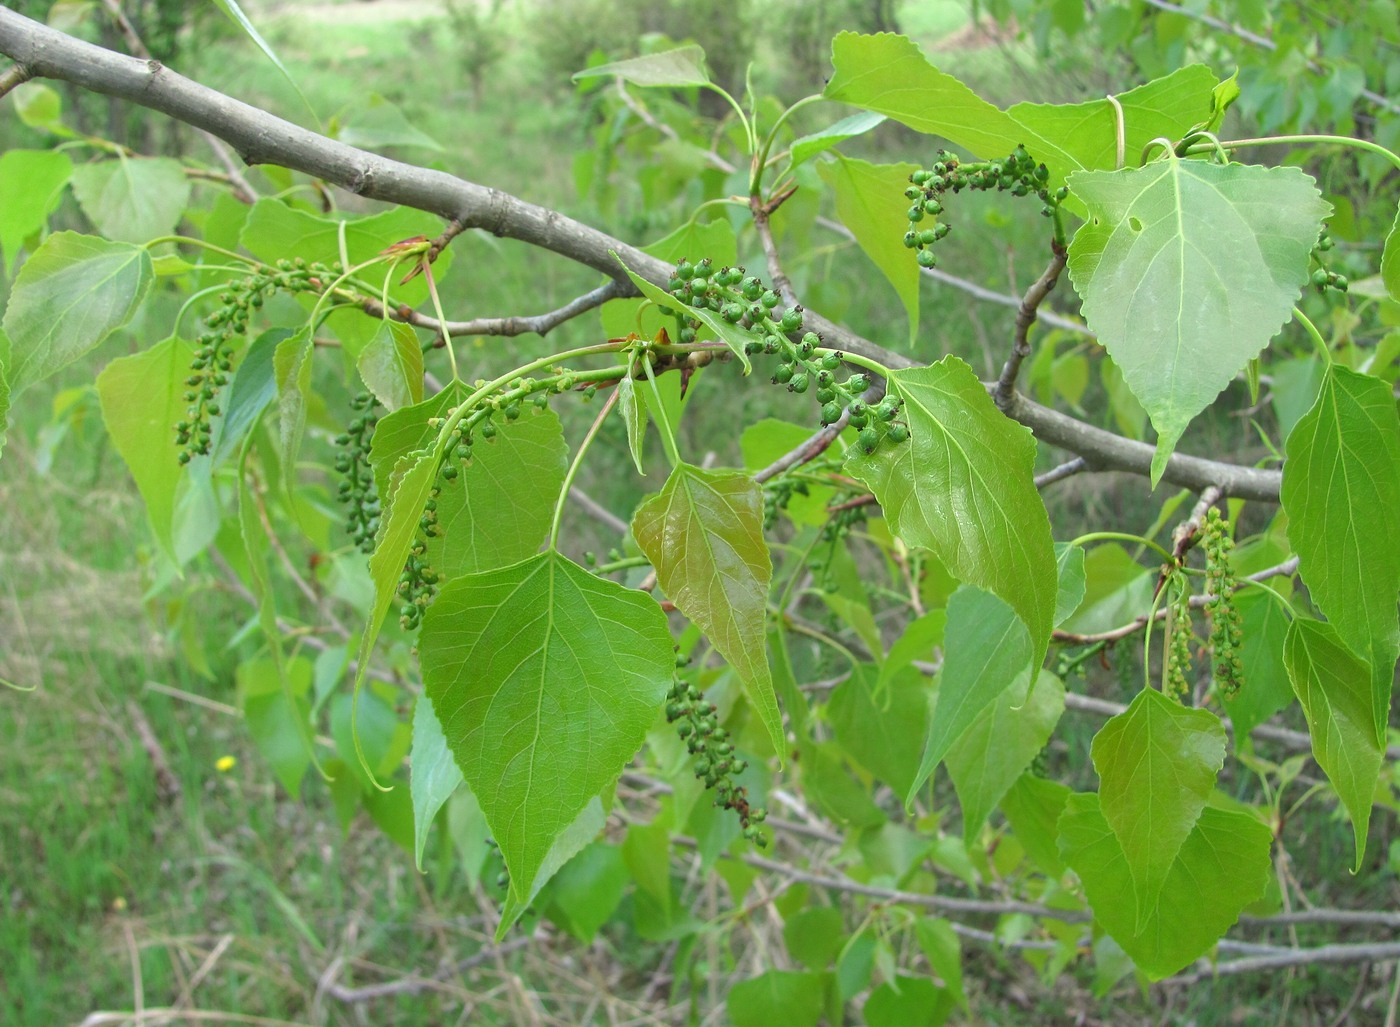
x: 119, y: 892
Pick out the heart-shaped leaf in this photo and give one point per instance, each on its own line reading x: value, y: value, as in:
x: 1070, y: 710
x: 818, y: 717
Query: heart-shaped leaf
x: 683, y: 66
x: 545, y: 679
x: 1187, y: 270
x: 1157, y: 762
x: 1222, y: 866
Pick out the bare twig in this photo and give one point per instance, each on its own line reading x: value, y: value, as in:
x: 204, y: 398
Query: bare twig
x: 14, y: 75
x: 415, y: 982
x: 1372, y: 953
x: 538, y: 324
x: 1065, y: 470
x: 167, y: 784
x: 1025, y: 317
x: 597, y: 511
x: 1383, y: 102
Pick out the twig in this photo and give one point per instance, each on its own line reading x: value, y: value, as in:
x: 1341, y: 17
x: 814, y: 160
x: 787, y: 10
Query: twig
x: 167, y: 784
x: 1369, y: 953
x: 1283, y: 736
x: 538, y: 324
x: 1384, y: 103
x: 415, y: 983
x: 597, y: 511
x: 1065, y: 470
x: 1286, y: 568
x: 1025, y: 317
x: 260, y: 138
x: 14, y: 75
x: 782, y: 284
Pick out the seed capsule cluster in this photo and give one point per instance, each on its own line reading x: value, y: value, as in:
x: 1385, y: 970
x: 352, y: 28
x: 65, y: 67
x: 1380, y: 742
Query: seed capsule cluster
x: 225, y: 327
x: 715, y: 763
x: 1226, y: 634
x: 1325, y: 278
x: 1018, y: 174
x: 743, y: 300
x: 357, y: 488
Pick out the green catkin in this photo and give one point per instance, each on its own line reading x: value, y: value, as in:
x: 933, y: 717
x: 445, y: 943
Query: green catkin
x: 1179, y: 641
x: 225, y: 330
x: 715, y: 761
x: 357, y: 487
x: 743, y: 300
x: 1227, y: 669
x: 1017, y: 173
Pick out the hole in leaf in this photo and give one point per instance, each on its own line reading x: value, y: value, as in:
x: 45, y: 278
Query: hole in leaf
x: 1135, y: 224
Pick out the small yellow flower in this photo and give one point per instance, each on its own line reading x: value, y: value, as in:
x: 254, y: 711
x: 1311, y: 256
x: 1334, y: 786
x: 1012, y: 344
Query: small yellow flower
x: 225, y: 763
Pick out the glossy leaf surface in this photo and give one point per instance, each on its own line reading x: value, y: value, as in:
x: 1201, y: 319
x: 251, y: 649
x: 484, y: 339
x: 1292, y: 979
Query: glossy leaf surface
x: 704, y: 535
x: 962, y: 486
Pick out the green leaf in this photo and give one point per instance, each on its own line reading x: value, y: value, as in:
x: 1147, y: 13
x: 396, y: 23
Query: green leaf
x: 804, y: 149
x: 1000, y: 744
x: 1073, y: 583
x: 1033, y: 806
x: 883, y: 732
x: 683, y: 66
x: 1187, y: 269
x: 589, y: 888
x: 1334, y: 688
x: 1341, y: 491
x: 545, y: 679
x: 401, y: 504
x: 908, y: 1002
x: 778, y: 996
x: 498, y: 510
x: 1390, y: 260
x: 870, y: 202
x: 963, y: 487
x: 731, y: 335
x: 253, y: 387
x: 4, y: 388
x: 39, y: 106
x: 406, y: 430
x: 143, y: 396
x: 433, y: 774
x: 73, y: 292
x: 1220, y: 869
x: 814, y: 936
x: 704, y: 535
x: 986, y: 651
x: 915, y: 642
x: 272, y: 714
x: 235, y: 14
x: 291, y: 364
x: 1157, y: 762
x: 940, y: 945
x: 392, y: 365
x: 832, y: 789
x: 132, y: 199
x: 891, y: 75
x: 570, y: 842
x: 634, y: 415
x: 374, y: 122
x: 31, y: 186
x: 274, y: 231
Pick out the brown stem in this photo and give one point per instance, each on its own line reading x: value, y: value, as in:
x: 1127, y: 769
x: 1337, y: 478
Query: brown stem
x: 1025, y: 317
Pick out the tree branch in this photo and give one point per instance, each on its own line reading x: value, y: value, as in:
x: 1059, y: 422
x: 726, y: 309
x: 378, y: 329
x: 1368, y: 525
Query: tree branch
x: 537, y: 324
x: 1025, y: 318
x: 260, y: 138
